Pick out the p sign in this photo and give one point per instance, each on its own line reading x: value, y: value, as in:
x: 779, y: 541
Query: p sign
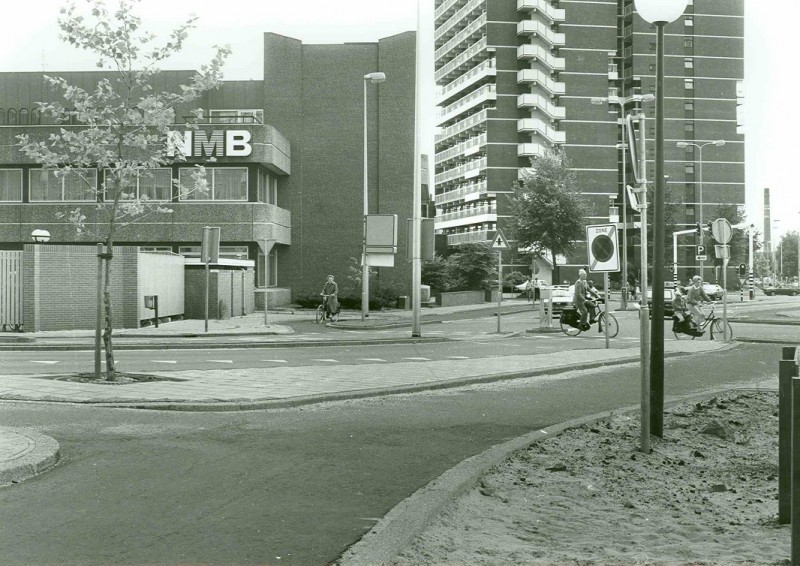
x: 601, y: 243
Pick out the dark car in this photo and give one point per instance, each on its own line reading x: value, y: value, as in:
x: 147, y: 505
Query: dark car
x: 772, y: 291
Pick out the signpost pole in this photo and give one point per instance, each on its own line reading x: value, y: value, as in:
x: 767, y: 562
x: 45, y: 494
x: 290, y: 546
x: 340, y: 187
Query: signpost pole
x: 499, y: 286
x: 605, y: 304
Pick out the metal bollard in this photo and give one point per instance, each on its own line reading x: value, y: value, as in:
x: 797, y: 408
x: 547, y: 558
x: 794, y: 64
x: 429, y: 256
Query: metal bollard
x: 787, y: 370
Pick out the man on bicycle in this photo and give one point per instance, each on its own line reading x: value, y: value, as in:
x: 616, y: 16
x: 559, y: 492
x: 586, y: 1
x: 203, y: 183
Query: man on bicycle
x: 581, y: 300
x: 330, y: 291
x: 694, y: 296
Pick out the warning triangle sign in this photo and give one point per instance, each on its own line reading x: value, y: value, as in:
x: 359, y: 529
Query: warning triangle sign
x: 499, y: 242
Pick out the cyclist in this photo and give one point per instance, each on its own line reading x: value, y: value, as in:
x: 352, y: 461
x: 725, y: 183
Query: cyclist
x: 694, y: 296
x: 330, y: 292
x: 581, y: 300
x: 683, y: 319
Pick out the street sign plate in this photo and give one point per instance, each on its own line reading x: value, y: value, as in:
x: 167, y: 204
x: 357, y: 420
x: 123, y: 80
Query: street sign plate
x: 721, y: 230
x: 701, y: 257
x: 602, y: 247
x: 499, y: 242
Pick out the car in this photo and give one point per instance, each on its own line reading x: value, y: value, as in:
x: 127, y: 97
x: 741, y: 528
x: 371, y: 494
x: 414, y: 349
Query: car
x: 669, y: 294
x: 560, y: 296
x: 772, y: 291
x: 714, y: 291
x: 522, y: 287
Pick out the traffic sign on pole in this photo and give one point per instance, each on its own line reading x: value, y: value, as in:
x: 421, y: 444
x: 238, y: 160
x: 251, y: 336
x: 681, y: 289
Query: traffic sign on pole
x: 499, y: 242
x: 602, y: 247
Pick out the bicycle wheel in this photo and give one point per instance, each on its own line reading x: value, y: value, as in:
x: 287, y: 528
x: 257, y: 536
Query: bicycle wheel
x: 613, y: 325
x: 718, y: 329
x: 320, y: 317
x: 335, y: 316
x: 569, y: 330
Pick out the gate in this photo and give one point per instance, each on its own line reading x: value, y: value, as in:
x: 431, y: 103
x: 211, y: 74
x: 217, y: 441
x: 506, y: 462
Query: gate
x: 10, y: 290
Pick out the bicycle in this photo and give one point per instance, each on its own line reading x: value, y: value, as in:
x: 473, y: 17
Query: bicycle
x: 570, y: 322
x: 712, y: 322
x: 321, y: 314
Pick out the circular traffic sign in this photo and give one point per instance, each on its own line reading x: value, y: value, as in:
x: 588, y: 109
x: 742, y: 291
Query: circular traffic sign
x: 602, y: 248
x: 721, y: 230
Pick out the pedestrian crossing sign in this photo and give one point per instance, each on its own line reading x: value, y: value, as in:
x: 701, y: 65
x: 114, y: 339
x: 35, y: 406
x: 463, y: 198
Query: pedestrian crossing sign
x: 499, y: 242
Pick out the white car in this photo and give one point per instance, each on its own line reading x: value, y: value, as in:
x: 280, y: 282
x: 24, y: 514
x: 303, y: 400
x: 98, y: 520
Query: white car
x: 522, y: 287
x: 713, y: 291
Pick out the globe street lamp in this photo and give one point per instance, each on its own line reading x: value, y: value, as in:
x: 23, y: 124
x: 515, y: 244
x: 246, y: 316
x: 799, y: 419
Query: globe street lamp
x: 368, y: 78
x: 700, y: 147
x: 40, y: 236
x: 660, y: 13
x: 623, y: 101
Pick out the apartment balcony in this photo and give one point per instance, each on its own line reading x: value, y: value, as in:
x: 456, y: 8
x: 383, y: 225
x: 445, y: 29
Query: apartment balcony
x: 476, y: 98
x: 469, y: 237
x: 542, y: 104
x: 465, y: 127
x: 474, y: 75
x: 462, y: 150
x: 445, y: 11
x: 534, y: 125
x: 477, y: 215
x: 541, y: 30
x: 537, y: 77
x: 451, y: 26
x: 539, y: 53
x: 543, y: 7
x: 465, y: 171
x: 531, y: 149
x: 475, y: 30
x: 468, y: 192
x: 474, y: 52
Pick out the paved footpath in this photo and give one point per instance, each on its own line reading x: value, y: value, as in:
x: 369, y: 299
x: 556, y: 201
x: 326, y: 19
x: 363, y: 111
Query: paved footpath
x: 24, y: 453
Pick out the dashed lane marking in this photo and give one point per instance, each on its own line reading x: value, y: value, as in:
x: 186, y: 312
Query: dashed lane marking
x: 327, y: 360
x: 220, y: 361
x: 457, y: 357
x: 164, y: 361
x: 371, y: 360
x: 417, y: 359
x: 276, y: 361
x: 45, y: 362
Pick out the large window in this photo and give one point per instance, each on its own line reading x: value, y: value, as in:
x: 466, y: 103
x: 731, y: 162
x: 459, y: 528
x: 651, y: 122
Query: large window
x: 10, y: 185
x: 230, y: 252
x: 267, y: 188
x: 59, y: 185
x: 149, y: 184
x: 224, y: 183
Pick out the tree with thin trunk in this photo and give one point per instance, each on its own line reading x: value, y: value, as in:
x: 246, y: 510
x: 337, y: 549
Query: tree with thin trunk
x: 123, y: 129
x: 548, y: 213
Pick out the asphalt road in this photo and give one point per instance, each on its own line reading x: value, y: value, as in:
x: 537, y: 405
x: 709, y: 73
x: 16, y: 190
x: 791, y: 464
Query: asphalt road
x: 289, y: 486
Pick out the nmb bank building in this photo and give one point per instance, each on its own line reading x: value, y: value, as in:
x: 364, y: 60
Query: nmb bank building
x: 516, y: 77
x: 287, y: 164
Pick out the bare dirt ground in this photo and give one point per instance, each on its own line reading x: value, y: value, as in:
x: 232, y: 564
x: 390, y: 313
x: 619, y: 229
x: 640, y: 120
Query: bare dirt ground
x: 707, y: 494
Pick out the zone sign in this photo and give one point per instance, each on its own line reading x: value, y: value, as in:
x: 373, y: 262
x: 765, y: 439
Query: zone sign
x: 601, y: 243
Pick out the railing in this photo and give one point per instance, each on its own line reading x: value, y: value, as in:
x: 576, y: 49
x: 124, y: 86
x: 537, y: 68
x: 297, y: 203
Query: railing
x: 468, y: 237
x: 542, y: 103
x: 10, y: 290
x: 471, y: 28
x: 468, y: 54
x: 461, y: 192
x: 461, y: 171
x: 541, y: 78
x: 445, y: 28
x: 486, y: 92
x: 536, y: 125
x: 544, y: 7
x: 470, y: 213
x: 462, y: 126
x: 530, y: 150
x: 530, y: 51
x: 444, y: 7
x: 459, y: 149
x: 529, y: 27
x: 487, y: 68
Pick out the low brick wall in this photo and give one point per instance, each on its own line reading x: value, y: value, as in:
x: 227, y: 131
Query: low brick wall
x: 459, y: 298
x: 278, y: 297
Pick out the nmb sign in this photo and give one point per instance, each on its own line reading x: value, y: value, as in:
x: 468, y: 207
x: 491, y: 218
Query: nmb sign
x: 217, y: 143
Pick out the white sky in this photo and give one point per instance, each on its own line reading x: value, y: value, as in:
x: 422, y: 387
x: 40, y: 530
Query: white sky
x: 772, y: 123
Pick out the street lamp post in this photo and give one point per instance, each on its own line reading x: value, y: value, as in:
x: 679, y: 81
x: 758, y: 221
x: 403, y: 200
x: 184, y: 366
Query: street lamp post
x: 700, y: 147
x: 623, y: 101
x: 660, y: 13
x: 774, y: 259
x: 368, y: 78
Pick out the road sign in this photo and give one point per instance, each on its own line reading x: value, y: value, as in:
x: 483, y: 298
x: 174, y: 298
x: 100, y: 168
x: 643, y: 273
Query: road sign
x: 701, y: 257
x: 701, y: 250
x: 601, y: 243
x: 721, y: 230
x: 499, y: 242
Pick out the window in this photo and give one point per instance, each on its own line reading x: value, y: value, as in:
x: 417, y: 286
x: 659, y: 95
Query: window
x: 688, y: 84
x: 2, y: 117
x: 689, y: 168
x: 23, y: 116
x: 688, y: 21
x: 688, y: 126
x: 230, y: 252
x: 267, y: 187
x: 273, y: 268
x: 10, y: 185
x: 688, y: 42
x: 61, y: 185
x: 688, y: 106
x: 652, y: 46
x: 688, y: 63
x: 236, y: 116
x: 224, y: 183
x: 12, y: 117
x: 150, y: 184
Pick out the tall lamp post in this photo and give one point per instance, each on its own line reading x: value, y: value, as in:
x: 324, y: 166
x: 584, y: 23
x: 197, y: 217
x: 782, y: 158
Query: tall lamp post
x: 700, y: 147
x: 660, y: 13
x: 776, y: 271
x: 623, y: 101
x: 376, y: 77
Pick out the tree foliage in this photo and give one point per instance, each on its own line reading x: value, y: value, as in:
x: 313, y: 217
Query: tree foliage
x: 547, y: 210
x: 126, y: 128
x: 471, y: 268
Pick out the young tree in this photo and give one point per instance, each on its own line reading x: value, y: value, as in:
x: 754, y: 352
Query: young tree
x: 126, y: 128
x: 548, y: 213
x: 472, y: 267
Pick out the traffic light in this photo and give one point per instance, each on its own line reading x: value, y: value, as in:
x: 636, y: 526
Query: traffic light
x: 742, y: 270
x: 699, y: 229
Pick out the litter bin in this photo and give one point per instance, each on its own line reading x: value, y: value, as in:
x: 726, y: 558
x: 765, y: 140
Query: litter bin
x: 403, y: 303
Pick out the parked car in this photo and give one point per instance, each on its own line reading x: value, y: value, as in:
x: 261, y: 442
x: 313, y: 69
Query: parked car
x: 561, y: 295
x: 714, y: 291
x: 772, y: 291
x: 669, y: 294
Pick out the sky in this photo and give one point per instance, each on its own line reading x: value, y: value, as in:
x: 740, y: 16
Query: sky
x: 772, y: 121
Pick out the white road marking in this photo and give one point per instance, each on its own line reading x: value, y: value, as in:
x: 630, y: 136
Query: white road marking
x: 46, y: 362
x: 457, y: 357
x: 276, y: 361
x: 164, y: 361
x: 220, y: 361
x: 417, y: 359
x: 371, y: 360
x: 328, y: 360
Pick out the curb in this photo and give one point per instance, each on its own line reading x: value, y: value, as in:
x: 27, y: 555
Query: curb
x: 41, y: 453
x: 254, y: 405
x: 398, y: 528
